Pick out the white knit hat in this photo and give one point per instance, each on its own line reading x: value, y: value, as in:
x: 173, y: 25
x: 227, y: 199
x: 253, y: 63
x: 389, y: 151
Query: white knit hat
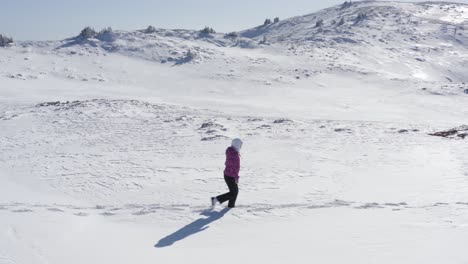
x: 237, y: 144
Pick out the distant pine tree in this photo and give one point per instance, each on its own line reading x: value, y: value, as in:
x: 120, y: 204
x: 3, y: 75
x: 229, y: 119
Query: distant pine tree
x: 207, y: 31
x: 276, y: 20
x: 106, y: 30
x: 319, y: 23
x: 360, y: 18
x: 87, y: 33
x: 267, y: 22
x: 105, y: 34
x: 342, y: 21
x: 346, y: 4
x: 5, y: 41
x: 189, y: 55
x: 150, y: 29
x: 232, y: 35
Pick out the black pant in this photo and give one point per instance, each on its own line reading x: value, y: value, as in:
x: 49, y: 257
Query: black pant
x: 232, y: 194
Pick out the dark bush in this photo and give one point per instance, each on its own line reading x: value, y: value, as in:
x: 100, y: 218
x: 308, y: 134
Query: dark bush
x: 207, y: 31
x: 346, y: 4
x: 360, y: 18
x: 267, y: 22
x: 319, y: 23
x: 232, y: 35
x: 150, y: 29
x: 105, y: 34
x: 342, y: 21
x: 87, y: 33
x: 5, y: 41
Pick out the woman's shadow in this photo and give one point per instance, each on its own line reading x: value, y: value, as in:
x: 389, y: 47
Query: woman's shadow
x: 192, y: 228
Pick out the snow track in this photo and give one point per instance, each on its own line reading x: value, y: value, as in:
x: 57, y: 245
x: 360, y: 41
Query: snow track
x: 160, y: 212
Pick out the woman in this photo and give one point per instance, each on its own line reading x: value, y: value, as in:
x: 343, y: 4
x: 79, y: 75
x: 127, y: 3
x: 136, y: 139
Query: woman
x: 231, y: 175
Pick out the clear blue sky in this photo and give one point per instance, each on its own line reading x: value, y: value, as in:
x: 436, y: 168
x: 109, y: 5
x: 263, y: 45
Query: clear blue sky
x: 59, y: 19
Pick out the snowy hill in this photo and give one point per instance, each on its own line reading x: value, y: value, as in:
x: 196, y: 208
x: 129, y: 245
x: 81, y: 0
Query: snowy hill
x: 354, y: 127
x: 159, y: 45
x: 427, y: 40
x: 424, y: 41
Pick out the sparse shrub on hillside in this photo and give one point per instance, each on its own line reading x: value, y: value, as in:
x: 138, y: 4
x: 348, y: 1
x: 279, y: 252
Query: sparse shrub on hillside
x: 263, y: 41
x: 105, y: 31
x: 319, y: 23
x: 276, y: 20
x: 105, y: 34
x: 457, y: 29
x: 87, y: 33
x: 207, y: 31
x: 232, y: 35
x: 346, y: 5
x: 360, y: 18
x: 267, y: 22
x: 342, y: 21
x: 189, y: 55
x: 150, y: 29
x: 5, y: 41
x: 186, y: 58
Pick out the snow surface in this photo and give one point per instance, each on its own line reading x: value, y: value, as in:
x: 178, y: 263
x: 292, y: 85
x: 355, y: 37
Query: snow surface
x: 112, y: 147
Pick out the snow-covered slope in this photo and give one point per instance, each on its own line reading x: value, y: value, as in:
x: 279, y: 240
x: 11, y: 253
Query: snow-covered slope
x: 422, y: 41
x: 160, y: 45
x: 112, y: 146
x: 426, y: 41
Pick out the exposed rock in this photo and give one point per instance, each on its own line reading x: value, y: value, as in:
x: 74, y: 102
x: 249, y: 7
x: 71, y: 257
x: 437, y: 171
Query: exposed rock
x: 214, y: 138
x: 459, y: 132
x: 282, y: 121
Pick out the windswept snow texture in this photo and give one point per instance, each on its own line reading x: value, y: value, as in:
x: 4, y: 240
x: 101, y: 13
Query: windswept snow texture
x: 354, y: 123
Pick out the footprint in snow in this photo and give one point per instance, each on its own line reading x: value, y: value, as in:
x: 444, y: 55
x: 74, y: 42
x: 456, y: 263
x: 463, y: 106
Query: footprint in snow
x: 369, y: 206
x: 81, y: 214
x: 107, y: 214
x: 55, y: 210
x: 22, y: 211
x: 143, y: 212
x: 440, y: 204
x: 393, y: 204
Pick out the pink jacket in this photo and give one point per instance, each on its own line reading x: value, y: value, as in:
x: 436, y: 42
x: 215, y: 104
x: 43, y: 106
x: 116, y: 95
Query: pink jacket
x: 232, y: 163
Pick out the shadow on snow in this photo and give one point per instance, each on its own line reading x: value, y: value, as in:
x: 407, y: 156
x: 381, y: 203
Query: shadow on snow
x: 196, y: 226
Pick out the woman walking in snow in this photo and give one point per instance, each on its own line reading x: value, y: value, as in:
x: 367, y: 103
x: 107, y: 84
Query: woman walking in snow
x: 231, y: 175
